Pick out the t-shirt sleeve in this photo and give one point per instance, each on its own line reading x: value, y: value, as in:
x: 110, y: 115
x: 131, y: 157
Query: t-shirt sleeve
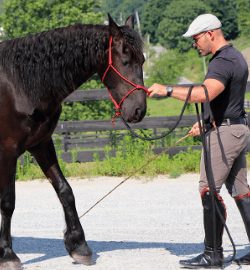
x: 220, y: 69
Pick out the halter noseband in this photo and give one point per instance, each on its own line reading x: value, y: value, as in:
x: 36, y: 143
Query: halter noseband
x: 136, y: 86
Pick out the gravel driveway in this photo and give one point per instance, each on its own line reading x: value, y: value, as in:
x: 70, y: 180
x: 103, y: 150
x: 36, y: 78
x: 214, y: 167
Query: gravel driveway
x: 146, y: 224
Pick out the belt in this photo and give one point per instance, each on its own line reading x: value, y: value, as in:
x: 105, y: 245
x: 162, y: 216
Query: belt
x: 227, y: 122
x: 233, y: 121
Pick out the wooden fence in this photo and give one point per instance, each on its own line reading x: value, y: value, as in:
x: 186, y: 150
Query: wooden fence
x: 81, y: 140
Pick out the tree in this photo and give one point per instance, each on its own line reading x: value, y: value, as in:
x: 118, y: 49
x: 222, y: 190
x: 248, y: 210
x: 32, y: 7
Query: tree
x: 121, y: 9
x: 112, y: 7
x: 226, y: 11
x: 243, y: 17
x: 151, y: 16
x: 22, y: 17
x: 167, y: 68
x: 177, y: 16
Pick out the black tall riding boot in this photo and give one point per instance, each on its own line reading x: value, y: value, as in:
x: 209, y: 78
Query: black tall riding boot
x: 243, y: 204
x: 212, y: 257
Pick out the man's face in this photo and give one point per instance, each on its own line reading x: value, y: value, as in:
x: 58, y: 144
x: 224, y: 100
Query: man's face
x: 202, y: 43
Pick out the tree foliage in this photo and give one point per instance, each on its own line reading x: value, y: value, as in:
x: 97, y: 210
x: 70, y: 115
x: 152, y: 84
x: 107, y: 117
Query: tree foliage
x: 22, y: 17
x: 166, y: 69
x: 243, y: 17
x: 152, y: 14
x: 176, y: 21
x: 166, y: 20
x: 226, y: 11
x: 121, y: 9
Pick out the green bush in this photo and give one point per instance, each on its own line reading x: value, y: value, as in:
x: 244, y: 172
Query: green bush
x: 131, y: 154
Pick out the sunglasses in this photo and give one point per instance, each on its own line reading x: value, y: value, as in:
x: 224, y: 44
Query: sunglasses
x: 196, y: 39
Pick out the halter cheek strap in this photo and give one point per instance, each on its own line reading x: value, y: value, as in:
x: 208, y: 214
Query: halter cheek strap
x: 135, y: 86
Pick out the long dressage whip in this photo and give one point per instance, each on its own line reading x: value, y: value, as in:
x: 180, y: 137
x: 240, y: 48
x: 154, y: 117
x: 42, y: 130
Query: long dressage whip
x: 151, y: 159
x: 133, y: 174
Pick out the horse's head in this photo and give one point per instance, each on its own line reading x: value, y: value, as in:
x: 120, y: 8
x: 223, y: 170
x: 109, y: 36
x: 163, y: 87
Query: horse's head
x: 123, y: 75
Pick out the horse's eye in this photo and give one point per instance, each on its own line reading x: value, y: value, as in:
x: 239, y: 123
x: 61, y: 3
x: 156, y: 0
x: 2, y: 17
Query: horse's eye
x: 126, y: 50
x: 125, y: 62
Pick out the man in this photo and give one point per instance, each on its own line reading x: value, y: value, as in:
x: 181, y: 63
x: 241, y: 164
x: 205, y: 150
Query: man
x: 227, y: 133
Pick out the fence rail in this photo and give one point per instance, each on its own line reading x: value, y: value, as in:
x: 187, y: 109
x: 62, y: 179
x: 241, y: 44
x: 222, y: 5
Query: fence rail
x: 87, y: 138
x: 100, y: 94
x: 97, y: 134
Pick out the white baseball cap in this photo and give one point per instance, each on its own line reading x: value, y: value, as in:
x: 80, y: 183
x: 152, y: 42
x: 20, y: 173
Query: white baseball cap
x: 202, y: 23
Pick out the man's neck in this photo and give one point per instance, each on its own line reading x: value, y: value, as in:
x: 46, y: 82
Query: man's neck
x: 219, y: 45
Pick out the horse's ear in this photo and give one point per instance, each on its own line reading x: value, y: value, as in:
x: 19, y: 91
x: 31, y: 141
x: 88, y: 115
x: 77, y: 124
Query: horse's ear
x: 113, y: 27
x: 130, y: 22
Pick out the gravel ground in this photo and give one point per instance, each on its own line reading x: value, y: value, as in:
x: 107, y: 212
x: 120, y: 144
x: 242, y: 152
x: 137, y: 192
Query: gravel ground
x: 146, y: 224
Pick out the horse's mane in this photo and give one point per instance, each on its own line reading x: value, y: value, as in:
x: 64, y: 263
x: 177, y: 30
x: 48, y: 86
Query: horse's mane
x: 51, y: 63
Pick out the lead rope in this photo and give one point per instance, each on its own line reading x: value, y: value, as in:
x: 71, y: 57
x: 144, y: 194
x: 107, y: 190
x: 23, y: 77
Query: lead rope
x: 145, y: 137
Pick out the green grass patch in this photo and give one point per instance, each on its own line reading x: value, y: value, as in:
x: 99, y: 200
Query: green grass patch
x: 167, y: 107
x: 184, y: 162
x: 131, y: 155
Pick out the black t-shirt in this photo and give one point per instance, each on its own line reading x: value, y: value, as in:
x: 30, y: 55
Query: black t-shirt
x: 229, y: 67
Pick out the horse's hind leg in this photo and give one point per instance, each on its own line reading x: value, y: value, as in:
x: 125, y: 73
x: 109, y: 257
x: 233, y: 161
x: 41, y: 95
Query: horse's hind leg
x: 73, y: 236
x: 8, y: 259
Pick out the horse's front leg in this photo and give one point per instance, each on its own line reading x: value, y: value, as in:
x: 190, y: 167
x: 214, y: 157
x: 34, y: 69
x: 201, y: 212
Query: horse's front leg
x: 8, y: 159
x: 73, y: 236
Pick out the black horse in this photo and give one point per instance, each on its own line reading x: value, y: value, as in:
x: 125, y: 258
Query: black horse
x: 36, y: 73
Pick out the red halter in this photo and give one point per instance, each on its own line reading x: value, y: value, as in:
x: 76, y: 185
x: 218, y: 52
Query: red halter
x: 136, y: 86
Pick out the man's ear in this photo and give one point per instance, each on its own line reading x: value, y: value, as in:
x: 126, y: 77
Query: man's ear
x: 130, y: 22
x: 113, y: 27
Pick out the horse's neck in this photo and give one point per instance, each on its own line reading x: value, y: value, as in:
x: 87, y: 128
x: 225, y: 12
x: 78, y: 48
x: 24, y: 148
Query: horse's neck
x: 94, y: 54
x: 82, y: 58
x: 95, y: 49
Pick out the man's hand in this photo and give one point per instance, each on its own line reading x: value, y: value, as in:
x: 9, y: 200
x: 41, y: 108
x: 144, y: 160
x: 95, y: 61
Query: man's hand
x: 157, y: 90
x: 195, y: 130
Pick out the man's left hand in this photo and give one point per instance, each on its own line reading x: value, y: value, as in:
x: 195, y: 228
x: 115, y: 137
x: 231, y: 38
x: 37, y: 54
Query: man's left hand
x: 157, y: 90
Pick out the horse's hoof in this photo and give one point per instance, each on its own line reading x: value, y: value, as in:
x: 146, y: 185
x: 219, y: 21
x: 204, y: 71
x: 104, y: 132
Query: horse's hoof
x: 10, y: 265
x: 9, y: 261
x: 86, y: 260
x: 82, y: 255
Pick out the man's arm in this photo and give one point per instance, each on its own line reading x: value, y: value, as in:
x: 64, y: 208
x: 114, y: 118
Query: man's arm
x: 214, y: 87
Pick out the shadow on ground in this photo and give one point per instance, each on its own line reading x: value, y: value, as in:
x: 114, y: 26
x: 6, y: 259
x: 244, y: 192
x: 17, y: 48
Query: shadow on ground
x: 54, y: 248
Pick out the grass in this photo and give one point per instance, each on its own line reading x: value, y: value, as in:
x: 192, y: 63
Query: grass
x: 125, y: 165
x: 185, y: 162
x: 167, y: 107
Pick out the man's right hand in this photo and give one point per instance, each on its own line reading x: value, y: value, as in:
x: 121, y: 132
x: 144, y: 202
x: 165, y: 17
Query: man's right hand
x: 195, y: 130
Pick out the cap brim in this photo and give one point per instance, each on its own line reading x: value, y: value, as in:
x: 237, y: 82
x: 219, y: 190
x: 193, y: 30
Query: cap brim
x: 188, y: 34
